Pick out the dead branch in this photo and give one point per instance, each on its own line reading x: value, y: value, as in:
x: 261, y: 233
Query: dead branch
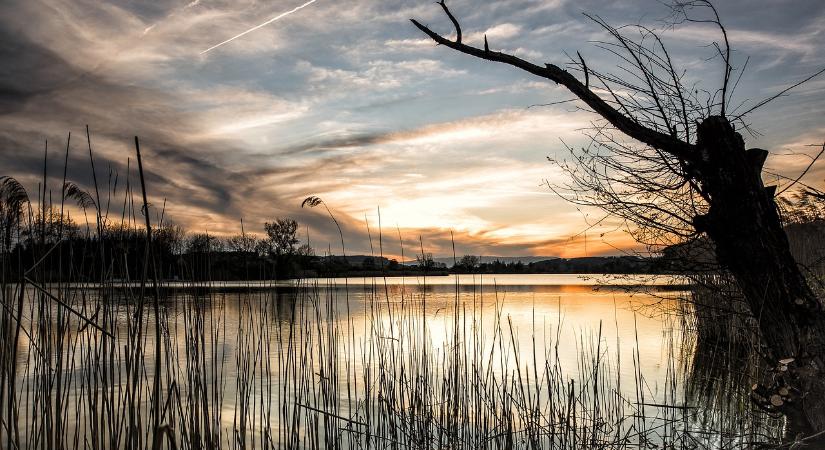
x: 552, y: 72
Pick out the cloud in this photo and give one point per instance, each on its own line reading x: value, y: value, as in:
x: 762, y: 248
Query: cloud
x: 408, y: 44
x: 495, y: 34
x: 351, y: 103
x: 374, y: 76
x: 183, y: 164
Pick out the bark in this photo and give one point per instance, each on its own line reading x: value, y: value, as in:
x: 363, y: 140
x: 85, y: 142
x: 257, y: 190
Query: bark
x: 744, y: 225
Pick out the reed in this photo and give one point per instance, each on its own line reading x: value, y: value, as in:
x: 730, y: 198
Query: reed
x: 87, y: 364
x: 288, y: 375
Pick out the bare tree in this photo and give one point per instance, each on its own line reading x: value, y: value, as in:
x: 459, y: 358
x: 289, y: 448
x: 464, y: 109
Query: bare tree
x: 241, y: 243
x: 425, y: 261
x: 171, y: 238
x: 468, y: 262
x: 281, y: 236
x: 203, y: 243
x: 687, y: 173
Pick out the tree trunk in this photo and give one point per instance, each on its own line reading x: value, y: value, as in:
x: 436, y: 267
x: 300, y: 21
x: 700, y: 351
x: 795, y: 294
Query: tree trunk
x: 744, y: 225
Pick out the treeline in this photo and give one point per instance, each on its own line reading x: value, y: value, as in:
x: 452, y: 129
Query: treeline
x: 49, y: 246
x: 52, y: 248
x: 584, y: 265
x: 57, y: 249
x: 117, y: 253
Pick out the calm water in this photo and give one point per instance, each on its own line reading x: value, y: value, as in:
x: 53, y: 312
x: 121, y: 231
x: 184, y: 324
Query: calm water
x: 560, y: 311
x: 260, y: 352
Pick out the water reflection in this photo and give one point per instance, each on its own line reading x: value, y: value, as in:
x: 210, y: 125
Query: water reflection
x: 279, y: 363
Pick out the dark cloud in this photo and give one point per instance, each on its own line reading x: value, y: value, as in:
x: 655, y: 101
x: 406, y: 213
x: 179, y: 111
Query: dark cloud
x: 42, y: 96
x: 45, y: 97
x: 28, y: 70
x: 337, y: 143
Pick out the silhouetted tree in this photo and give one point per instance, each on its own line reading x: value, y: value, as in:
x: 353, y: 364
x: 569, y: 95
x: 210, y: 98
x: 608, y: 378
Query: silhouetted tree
x: 51, y: 227
x: 425, y: 261
x: 170, y: 238
x: 200, y: 249
x: 241, y: 243
x: 304, y: 253
x: 203, y: 243
x: 282, y: 236
x: 281, y: 244
x: 689, y: 173
x: 468, y: 263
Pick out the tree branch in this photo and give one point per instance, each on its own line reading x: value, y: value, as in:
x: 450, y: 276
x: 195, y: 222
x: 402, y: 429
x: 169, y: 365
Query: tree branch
x: 584, y: 69
x: 626, y: 125
x: 455, y: 22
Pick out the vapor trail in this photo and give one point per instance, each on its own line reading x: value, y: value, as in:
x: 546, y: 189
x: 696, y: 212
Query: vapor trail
x: 297, y: 8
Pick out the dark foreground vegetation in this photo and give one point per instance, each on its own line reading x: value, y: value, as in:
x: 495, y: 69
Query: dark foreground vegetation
x: 86, y: 363
x: 92, y: 365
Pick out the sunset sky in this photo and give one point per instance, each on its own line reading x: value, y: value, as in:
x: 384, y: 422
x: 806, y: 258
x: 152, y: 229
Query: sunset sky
x: 347, y: 100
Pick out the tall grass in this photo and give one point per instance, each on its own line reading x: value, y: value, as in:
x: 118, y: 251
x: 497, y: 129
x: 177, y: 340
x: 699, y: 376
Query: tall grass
x: 86, y: 364
x: 274, y: 369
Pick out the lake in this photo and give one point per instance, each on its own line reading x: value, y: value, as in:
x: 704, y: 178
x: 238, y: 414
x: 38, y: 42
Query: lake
x: 559, y: 360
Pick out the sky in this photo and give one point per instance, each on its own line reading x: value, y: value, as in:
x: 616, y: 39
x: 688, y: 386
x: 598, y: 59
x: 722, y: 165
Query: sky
x: 346, y: 100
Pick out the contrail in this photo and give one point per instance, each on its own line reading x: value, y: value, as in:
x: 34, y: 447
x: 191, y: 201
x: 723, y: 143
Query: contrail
x: 297, y: 8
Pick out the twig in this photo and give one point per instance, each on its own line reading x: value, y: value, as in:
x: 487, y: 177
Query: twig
x: 69, y: 308
x: 816, y: 158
